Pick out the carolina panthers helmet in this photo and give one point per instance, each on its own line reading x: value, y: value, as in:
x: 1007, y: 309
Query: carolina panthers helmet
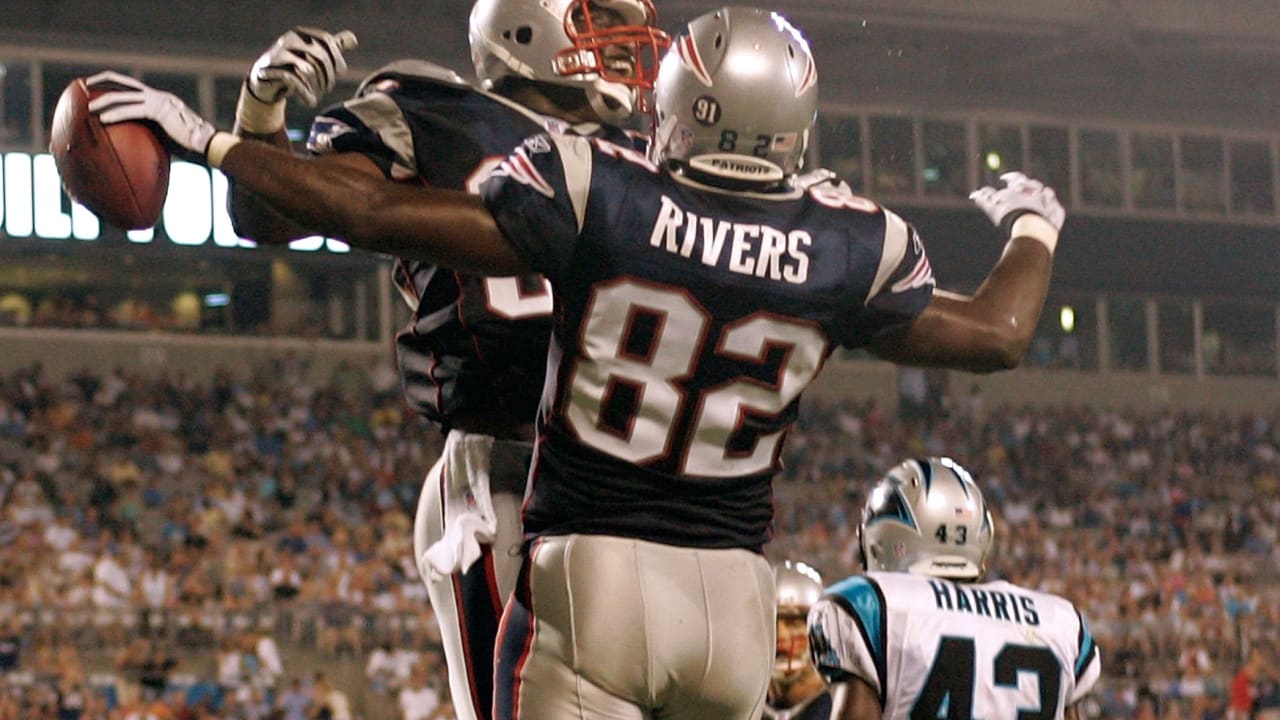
x: 563, y: 42
x: 927, y: 516
x: 797, y: 587
x: 736, y: 97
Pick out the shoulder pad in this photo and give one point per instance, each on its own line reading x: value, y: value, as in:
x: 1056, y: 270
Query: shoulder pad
x: 814, y: 177
x: 414, y: 69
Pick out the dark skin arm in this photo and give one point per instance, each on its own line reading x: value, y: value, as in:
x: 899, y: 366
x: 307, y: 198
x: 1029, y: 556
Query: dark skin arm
x: 861, y: 702
x: 986, y: 332
x: 272, y: 219
x: 254, y: 217
x: 443, y: 227
x: 270, y: 223
x: 989, y: 331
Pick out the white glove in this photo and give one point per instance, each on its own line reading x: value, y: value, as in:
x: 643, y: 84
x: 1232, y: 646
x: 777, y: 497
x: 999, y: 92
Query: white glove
x: 125, y: 98
x: 304, y: 62
x: 1020, y: 195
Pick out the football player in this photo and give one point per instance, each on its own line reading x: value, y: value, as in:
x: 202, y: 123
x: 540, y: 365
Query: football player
x: 698, y: 291
x: 797, y: 691
x: 474, y: 356
x: 920, y: 635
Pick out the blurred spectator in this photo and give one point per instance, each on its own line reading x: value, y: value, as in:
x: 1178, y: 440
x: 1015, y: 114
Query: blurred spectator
x: 286, y: 581
x: 327, y: 701
x: 380, y: 669
x: 231, y: 669
x: 73, y: 698
x: 10, y: 645
x: 390, y: 664
x: 294, y: 701
x: 269, y: 666
x: 418, y: 700
x: 1244, y: 687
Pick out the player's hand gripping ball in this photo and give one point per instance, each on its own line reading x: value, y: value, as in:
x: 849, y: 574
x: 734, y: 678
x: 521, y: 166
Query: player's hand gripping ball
x: 119, y: 171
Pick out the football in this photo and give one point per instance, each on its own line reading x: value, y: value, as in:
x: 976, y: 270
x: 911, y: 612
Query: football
x: 119, y: 171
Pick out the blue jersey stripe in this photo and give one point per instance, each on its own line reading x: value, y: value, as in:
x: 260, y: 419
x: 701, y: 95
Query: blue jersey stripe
x: 1087, y: 648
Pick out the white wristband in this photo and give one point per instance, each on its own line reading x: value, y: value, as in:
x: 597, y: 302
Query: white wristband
x: 258, y: 117
x: 219, y: 145
x: 1035, y: 227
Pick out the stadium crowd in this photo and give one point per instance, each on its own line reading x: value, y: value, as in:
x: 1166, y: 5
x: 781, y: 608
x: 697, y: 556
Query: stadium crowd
x: 190, y: 549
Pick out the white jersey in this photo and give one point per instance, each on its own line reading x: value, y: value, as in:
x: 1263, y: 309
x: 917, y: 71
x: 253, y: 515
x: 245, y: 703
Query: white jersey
x: 936, y: 649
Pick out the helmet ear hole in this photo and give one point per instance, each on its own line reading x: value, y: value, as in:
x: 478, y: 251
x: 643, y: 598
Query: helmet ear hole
x: 524, y: 34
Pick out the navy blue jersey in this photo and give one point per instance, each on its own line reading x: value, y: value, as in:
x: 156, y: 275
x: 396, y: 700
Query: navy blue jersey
x: 688, y: 321
x: 818, y: 707
x: 476, y: 347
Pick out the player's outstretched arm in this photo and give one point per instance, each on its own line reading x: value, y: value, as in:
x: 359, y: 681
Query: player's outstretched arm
x: 304, y: 63
x: 857, y: 700
x: 255, y: 217
x: 991, y: 329
x: 444, y: 227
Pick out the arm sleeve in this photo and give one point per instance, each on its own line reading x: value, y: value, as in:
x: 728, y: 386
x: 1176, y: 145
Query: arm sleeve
x: 537, y: 196
x: 900, y: 289
x: 373, y: 125
x: 1088, y: 664
x: 846, y: 637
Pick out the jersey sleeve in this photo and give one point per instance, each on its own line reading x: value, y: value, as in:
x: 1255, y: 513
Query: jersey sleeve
x: 901, y: 288
x: 373, y: 125
x: 377, y: 122
x: 1088, y: 663
x: 538, y: 197
x: 847, y: 633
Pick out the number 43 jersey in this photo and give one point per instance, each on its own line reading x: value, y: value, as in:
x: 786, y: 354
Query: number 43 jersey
x: 934, y: 648
x: 688, y: 322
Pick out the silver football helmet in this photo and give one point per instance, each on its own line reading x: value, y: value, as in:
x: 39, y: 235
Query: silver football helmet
x: 927, y: 516
x: 797, y: 586
x: 736, y: 97
x: 608, y: 48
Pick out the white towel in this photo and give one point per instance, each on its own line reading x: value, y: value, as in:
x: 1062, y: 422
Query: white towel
x: 469, y: 519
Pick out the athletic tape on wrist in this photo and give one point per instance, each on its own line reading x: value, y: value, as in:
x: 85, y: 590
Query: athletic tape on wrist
x: 219, y: 145
x: 256, y: 116
x: 1035, y: 227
